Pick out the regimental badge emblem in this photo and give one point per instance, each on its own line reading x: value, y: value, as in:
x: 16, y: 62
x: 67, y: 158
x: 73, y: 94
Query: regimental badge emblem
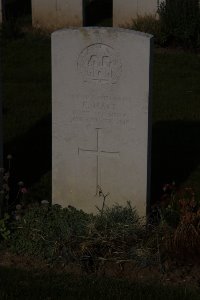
x: 99, y: 63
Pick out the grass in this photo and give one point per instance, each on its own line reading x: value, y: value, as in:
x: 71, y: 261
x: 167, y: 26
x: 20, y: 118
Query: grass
x: 21, y: 284
x: 176, y: 120
x: 176, y: 91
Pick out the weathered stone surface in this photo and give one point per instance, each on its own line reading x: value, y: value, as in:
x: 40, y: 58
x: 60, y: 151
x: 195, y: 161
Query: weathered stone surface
x: 101, y: 84
x: 126, y: 10
x: 54, y: 14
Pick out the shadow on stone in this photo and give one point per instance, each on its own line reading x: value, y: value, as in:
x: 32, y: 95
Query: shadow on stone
x: 96, y: 11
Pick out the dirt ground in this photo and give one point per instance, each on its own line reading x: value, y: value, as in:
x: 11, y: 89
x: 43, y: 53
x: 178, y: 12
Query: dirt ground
x: 179, y: 274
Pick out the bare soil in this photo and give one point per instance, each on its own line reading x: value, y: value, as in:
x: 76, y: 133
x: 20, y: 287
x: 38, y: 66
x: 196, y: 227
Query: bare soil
x: 178, y: 274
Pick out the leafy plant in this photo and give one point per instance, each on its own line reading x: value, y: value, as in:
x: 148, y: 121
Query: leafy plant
x: 49, y: 232
x: 70, y: 235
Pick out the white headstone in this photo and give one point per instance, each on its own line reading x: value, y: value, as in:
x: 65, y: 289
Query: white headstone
x: 127, y: 10
x: 101, y: 83
x: 54, y: 14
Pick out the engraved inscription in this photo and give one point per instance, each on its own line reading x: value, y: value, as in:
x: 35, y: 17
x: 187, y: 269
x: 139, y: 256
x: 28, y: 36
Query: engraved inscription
x: 98, y: 152
x: 97, y: 110
x: 99, y: 63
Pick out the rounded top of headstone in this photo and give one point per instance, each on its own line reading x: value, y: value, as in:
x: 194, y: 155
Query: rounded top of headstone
x: 111, y: 30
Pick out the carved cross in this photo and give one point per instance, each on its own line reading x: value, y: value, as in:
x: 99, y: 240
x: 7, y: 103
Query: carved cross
x: 99, y: 153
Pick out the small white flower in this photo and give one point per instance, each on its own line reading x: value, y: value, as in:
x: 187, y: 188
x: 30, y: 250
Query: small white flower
x: 44, y: 202
x: 17, y: 217
x: 18, y: 207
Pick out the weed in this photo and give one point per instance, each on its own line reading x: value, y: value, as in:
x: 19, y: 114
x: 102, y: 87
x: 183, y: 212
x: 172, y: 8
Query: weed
x: 179, y: 221
x: 70, y: 235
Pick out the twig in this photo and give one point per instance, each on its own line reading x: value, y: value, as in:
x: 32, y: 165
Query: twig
x: 101, y: 194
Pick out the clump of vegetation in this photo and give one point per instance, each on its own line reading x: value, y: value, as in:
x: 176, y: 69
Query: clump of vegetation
x: 177, y: 24
x: 113, y: 234
x: 150, y: 24
x: 50, y: 232
x: 179, y: 223
x: 116, y: 234
x: 70, y: 235
x: 180, y: 22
